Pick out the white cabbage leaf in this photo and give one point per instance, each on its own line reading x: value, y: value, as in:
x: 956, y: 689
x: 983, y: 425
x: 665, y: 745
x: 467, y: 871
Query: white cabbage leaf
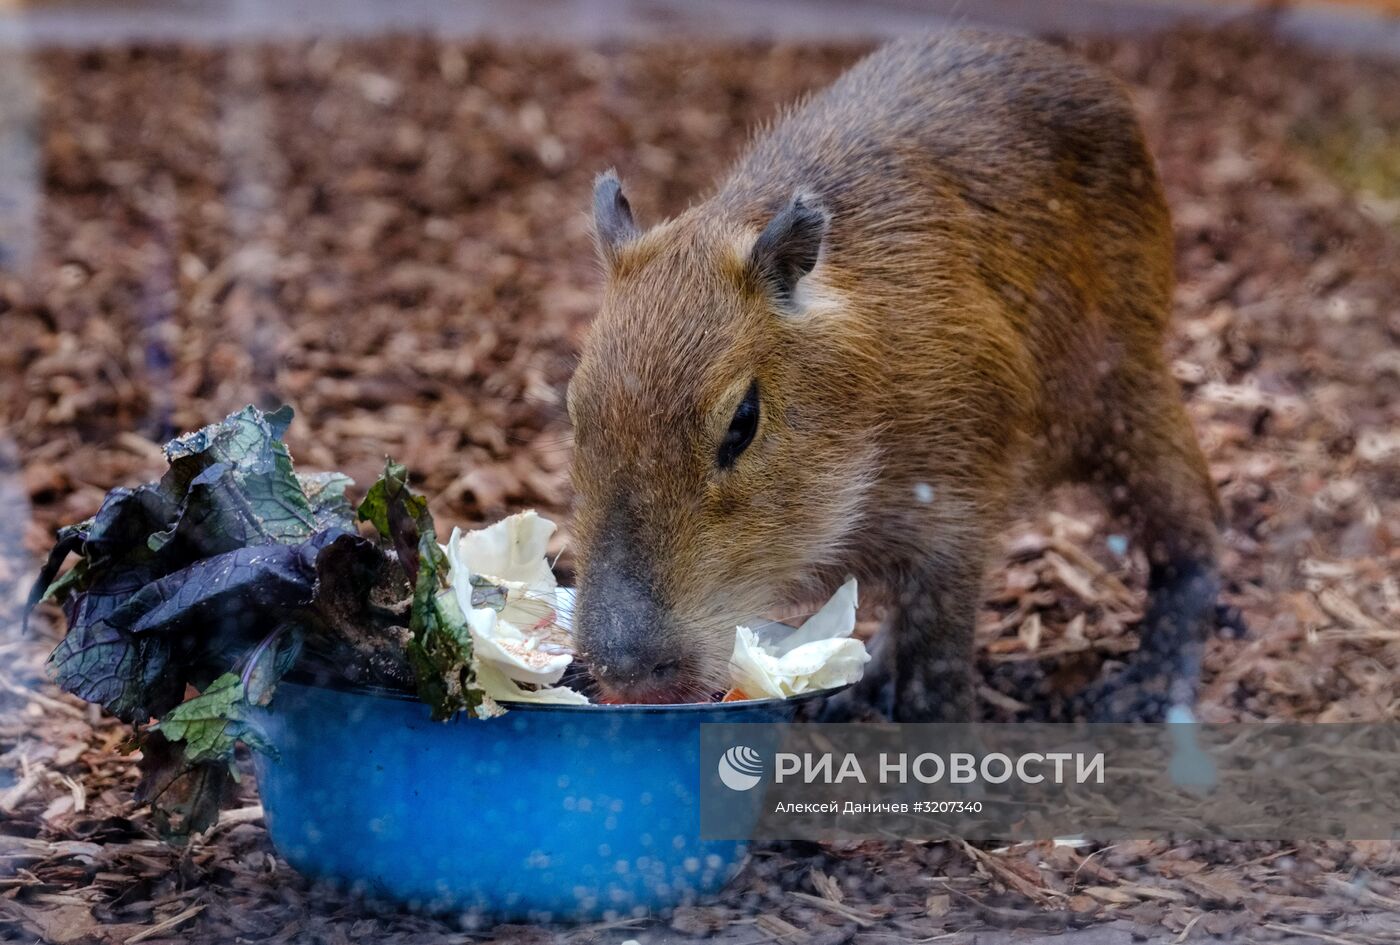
x: 516, y: 639
x: 820, y: 654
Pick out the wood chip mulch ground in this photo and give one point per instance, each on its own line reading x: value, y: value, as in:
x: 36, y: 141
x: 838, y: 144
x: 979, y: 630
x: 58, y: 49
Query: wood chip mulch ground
x: 389, y: 235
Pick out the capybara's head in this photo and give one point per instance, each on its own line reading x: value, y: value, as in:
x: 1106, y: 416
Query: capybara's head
x: 720, y: 459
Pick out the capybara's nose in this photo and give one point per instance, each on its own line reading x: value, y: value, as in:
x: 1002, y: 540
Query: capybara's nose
x: 619, y: 629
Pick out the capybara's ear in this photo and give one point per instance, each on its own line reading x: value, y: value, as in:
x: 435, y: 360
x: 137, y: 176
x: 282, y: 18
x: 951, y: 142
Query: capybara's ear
x: 789, y: 246
x: 613, y: 226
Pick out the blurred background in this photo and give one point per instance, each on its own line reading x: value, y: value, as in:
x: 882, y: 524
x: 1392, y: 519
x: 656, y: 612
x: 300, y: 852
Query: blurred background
x: 375, y: 212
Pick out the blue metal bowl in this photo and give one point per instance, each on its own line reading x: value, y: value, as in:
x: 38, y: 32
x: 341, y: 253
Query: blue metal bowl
x: 547, y: 813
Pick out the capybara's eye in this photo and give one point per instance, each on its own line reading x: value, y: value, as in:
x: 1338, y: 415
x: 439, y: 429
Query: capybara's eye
x: 741, y: 429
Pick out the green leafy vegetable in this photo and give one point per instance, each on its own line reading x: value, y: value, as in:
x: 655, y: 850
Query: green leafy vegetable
x: 224, y: 574
x: 213, y: 723
x: 402, y: 517
x: 238, y: 488
x: 440, y: 650
x: 185, y: 798
x: 325, y: 492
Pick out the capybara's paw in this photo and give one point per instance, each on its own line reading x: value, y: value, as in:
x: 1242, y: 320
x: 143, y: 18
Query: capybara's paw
x: 1143, y: 691
x: 867, y: 701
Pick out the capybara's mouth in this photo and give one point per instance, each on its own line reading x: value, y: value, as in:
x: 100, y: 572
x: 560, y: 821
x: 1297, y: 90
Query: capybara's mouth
x: 676, y: 684
x: 668, y: 694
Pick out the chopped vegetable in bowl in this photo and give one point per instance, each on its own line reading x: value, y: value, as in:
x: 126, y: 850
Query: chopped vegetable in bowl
x: 520, y: 621
x: 820, y: 654
x: 504, y: 585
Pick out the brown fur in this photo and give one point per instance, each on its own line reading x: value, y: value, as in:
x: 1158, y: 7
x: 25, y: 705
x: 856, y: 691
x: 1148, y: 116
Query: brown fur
x: 987, y: 314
